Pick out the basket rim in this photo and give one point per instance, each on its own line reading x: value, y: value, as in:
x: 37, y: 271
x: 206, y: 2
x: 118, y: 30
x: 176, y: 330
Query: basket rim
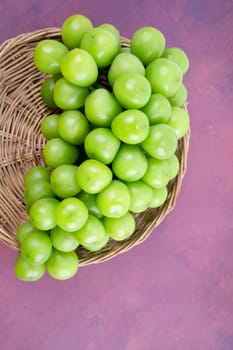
x: 97, y: 257
x: 28, y: 36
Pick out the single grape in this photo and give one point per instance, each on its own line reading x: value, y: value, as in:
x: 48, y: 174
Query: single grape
x: 24, y: 229
x: 114, y: 200
x: 48, y: 55
x: 63, y: 181
x: 180, y: 96
x: 62, y: 265
x: 157, y: 174
x: 37, y: 190
x: 73, y: 127
x: 101, y: 144
x: 71, y: 214
x: 36, y: 247
x: 74, y: 28
x: 101, y: 107
x: 157, y: 109
x: 120, y: 228
x: 26, y: 271
x: 113, y: 30
x: 174, y: 165
x: 124, y: 62
x: 90, y: 201
x: 159, y: 197
x: 165, y: 76
x: 63, y: 240
x: 69, y: 96
x: 130, y: 163
x: 179, y: 56
x: 42, y: 213
x: 131, y: 126
x: 147, y: 43
x: 125, y: 49
x: 132, y: 90
x: 93, y: 176
x: 57, y: 152
x: 101, y: 44
x: 179, y: 121
x: 47, y: 89
x: 141, y: 195
x: 95, y: 247
x: 92, y: 232
x: 79, y: 68
x: 36, y: 173
x: 49, y: 126
x: 161, y: 142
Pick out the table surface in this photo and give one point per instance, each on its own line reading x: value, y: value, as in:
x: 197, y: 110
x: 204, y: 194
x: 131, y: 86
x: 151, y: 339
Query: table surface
x: 175, y: 291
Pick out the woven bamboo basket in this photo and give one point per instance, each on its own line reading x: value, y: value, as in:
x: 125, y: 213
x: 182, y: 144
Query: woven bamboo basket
x: 21, y: 143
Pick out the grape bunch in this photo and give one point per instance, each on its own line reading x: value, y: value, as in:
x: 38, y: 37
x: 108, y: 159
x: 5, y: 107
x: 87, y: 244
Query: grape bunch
x: 111, y: 143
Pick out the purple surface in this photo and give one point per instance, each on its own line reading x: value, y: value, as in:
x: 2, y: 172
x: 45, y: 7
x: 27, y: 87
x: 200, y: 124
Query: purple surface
x: 175, y: 291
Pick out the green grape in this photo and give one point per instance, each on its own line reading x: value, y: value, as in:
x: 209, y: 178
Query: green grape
x: 157, y: 174
x: 58, y: 152
x: 69, y: 96
x: 95, y: 247
x: 42, y: 213
x: 179, y: 56
x: 141, y: 195
x: 48, y: 55
x: 73, y: 127
x: 130, y: 163
x: 179, y: 121
x: 147, y: 43
x: 47, y: 89
x: 36, y: 247
x: 90, y: 201
x: 92, y: 231
x: 79, y: 68
x: 48, y: 126
x: 131, y: 126
x: 71, y: 214
x: 125, y: 49
x: 120, y: 228
x: 174, y: 165
x: 101, y: 107
x: 101, y: 44
x: 24, y: 229
x: 63, y: 181
x: 93, y: 176
x: 124, y: 62
x: 159, y: 197
x: 114, y: 200
x: 165, y: 76
x: 36, y: 173
x: 63, y: 240
x: 37, y: 190
x: 101, y: 144
x: 180, y: 96
x: 161, y: 142
x: 62, y: 265
x: 132, y: 90
x: 157, y: 109
x: 26, y: 271
x: 109, y: 27
x: 74, y: 28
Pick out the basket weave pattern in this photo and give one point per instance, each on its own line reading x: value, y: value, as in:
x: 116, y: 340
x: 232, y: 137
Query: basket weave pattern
x: 21, y: 143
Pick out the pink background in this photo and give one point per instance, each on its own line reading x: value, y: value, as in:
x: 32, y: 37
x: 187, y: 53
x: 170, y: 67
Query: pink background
x: 175, y: 291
